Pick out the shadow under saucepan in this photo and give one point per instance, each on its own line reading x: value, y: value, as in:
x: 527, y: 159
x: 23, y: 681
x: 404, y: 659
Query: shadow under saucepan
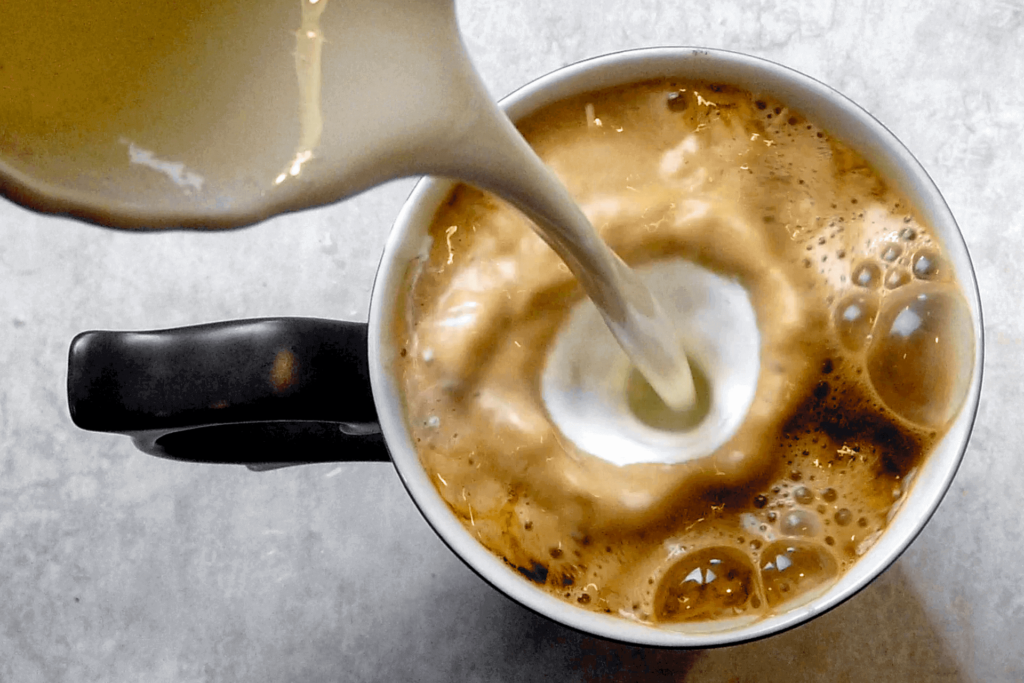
x: 882, y: 634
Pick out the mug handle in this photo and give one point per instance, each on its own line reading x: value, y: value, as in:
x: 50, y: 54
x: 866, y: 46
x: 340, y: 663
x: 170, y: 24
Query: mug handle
x: 264, y: 393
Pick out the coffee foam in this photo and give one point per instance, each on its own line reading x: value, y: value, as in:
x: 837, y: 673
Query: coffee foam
x: 835, y: 264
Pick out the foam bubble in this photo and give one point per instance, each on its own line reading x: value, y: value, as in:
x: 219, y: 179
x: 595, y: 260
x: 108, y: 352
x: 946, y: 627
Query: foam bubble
x: 867, y: 275
x: 803, y: 495
x: 927, y: 264
x: 920, y: 358
x: 706, y: 584
x: 799, y: 522
x: 896, y: 278
x: 908, y: 234
x: 854, y: 319
x: 790, y: 568
x: 891, y: 252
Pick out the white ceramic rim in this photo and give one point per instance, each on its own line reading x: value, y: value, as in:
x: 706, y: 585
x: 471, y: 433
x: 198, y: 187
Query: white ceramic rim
x: 819, y: 103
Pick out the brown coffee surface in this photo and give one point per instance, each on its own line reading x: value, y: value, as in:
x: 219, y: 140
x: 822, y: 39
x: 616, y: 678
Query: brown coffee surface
x: 865, y: 357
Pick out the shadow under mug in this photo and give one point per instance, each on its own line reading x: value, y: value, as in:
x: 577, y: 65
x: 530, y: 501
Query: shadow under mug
x: 272, y: 392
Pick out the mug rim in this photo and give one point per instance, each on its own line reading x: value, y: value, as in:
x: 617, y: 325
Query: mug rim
x: 632, y: 66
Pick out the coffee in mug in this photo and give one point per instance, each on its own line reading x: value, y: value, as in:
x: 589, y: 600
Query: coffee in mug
x: 857, y: 358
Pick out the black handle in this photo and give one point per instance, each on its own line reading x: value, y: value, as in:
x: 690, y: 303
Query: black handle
x: 264, y: 392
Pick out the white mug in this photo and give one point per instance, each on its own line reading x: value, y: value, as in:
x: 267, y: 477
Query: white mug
x: 305, y: 412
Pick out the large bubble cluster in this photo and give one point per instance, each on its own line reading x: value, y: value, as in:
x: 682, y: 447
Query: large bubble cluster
x: 721, y: 582
x: 914, y: 329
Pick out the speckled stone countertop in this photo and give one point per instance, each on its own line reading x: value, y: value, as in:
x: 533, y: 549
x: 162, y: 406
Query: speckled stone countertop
x: 116, y: 566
